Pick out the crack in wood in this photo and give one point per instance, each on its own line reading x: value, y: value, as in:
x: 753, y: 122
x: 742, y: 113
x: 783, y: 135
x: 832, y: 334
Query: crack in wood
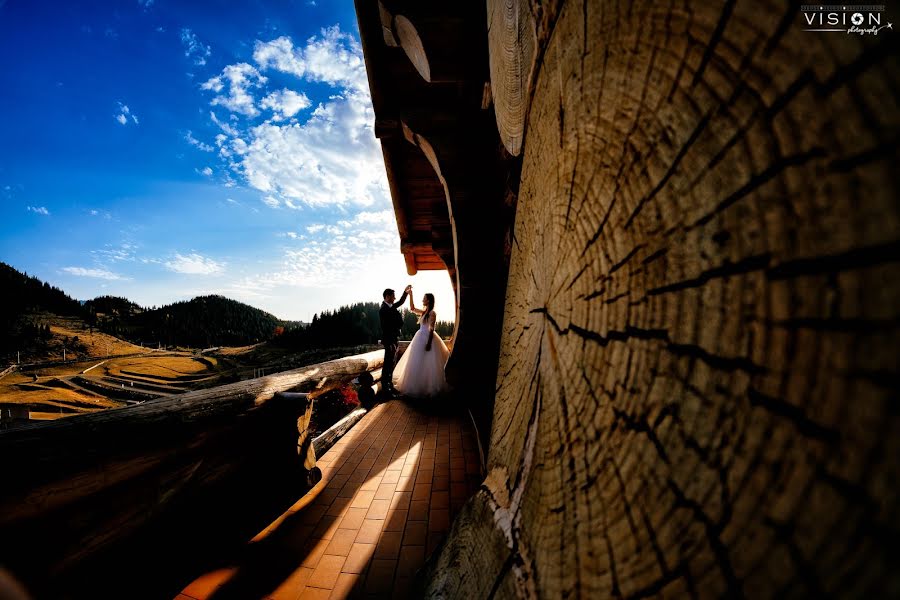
x: 625, y: 260
x: 855, y: 258
x: 722, y: 363
x: 640, y: 425
x: 760, y: 179
x: 656, y: 255
x: 784, y: 534
x: 710, y: 47
x: 713, y: 531
x: 673, y: 167
x: 727, y: 269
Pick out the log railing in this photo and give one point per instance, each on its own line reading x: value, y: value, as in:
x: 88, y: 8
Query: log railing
x: 74, y: 488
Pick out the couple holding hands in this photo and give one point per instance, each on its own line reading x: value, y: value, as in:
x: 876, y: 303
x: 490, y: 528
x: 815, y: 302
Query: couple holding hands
x: 420, y: 372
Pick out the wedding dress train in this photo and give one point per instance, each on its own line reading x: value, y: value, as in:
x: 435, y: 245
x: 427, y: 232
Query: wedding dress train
x: 420, y: 373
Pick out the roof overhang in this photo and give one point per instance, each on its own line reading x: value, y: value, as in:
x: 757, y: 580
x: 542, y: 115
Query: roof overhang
x: 418, y: 79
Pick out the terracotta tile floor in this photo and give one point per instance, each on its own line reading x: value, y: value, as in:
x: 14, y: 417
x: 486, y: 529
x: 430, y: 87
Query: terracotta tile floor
x: 389, y: 492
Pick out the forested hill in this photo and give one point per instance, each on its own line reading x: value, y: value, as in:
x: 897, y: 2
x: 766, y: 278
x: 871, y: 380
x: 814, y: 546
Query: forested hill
x: 202, y: 322
x: 199, y: 323
x: 23, y: 293
x: 205, y: 321
x: 113, y: 305
x: 351, y: 325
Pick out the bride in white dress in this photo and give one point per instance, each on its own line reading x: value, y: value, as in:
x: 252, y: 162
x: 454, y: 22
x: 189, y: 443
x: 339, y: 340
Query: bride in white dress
x: 420, y: 372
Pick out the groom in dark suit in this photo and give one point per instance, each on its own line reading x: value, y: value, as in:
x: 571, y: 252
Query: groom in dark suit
x: 391, y: 323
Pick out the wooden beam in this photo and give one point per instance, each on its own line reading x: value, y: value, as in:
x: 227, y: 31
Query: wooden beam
x: 425, y: 248
x: 387, y: 128
x: 432, y: 40
x: 412, y: 44
x: 334, y: 433
x: 410, y: 260
x: 89, y: 481
x: 512, y: 52
x: 396, y: 197
x: 387, y: 26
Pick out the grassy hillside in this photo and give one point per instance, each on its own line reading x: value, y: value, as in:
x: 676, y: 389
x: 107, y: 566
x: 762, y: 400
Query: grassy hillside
x: 39, y: 321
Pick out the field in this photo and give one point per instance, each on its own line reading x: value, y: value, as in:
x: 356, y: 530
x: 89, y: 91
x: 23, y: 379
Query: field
x: 51, y: 391
x: 88, y: 386
x: 90, y: 343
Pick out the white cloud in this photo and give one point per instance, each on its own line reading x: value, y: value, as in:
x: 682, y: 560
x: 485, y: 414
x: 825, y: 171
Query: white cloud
x: 194, y: 48
x: 124, y: 114
x: 383, y: 218
x: 240, y: 78
x: 206, y: 171
x: 41, y: 210
x: 123, y: 252
x: 190, y: 139
x: 271, y: 201
x: 338, y: 253
x: 285, y: 103
x: 334, y: 58
x: 330, y: 263
x: 194, y: 264
x: 350, y: 258
x: 222, y: 124
x: 95, y: 273
x: 332, y: 157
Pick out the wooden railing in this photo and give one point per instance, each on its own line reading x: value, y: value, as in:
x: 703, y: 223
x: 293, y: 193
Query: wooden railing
x: 74, y: 488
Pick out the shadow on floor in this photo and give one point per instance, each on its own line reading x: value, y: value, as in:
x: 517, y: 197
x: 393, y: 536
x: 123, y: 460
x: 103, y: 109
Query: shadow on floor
x: 390, y: 490
x: 186, y: 539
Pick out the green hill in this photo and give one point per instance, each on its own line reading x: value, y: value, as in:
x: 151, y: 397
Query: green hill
x: 201, y: 322
x: 23, y: 293
x: 23, y: 300
x: 205, y: 321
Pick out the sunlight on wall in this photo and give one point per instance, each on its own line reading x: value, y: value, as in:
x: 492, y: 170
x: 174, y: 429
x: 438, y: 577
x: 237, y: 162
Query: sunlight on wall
x: 438, y: 283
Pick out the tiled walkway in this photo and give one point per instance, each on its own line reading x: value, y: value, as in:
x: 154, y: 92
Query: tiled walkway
x: 390, y: 490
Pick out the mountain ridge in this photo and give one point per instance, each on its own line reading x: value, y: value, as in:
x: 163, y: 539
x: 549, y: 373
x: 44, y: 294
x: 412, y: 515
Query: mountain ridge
x: 201, y: 321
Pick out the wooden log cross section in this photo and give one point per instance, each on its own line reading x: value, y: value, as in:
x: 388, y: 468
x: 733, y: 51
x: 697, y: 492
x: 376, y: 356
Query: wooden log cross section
x: 697, y: 390
x: 87, y: 482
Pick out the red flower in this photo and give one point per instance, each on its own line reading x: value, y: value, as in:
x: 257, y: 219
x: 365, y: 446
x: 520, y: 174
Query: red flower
x: 349, y: 396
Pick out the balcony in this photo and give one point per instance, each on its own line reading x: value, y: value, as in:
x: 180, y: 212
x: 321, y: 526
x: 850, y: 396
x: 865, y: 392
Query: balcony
x: 389, y: 491
x: 220, y: 493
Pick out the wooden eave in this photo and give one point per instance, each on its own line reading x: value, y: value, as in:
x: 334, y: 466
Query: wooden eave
x: 401, y: 96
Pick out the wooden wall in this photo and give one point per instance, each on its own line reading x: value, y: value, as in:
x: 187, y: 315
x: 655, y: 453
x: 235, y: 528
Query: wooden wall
x: 697, y: 389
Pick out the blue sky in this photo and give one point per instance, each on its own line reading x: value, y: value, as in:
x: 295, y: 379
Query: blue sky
x: 160, y: 150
